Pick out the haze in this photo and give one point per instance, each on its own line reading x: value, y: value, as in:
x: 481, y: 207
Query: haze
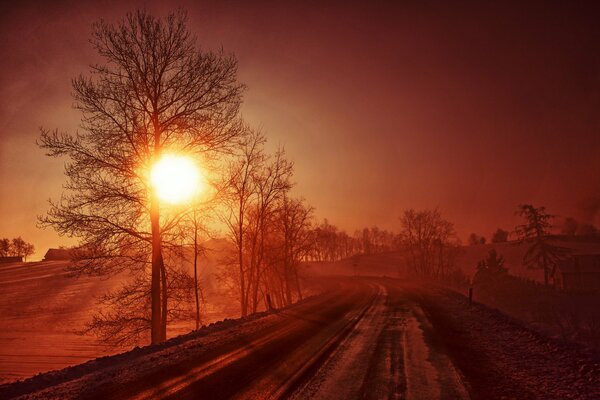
x: 473, y: 109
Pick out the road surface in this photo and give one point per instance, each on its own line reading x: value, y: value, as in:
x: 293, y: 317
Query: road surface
x: 363, y: 339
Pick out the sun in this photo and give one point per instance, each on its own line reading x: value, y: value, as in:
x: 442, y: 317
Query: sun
x: 176, y: 178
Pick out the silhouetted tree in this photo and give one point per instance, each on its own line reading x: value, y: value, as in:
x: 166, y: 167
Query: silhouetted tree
x: 541, y: 253
x: 239, y: 189
x: 491, y: 274
x: 21, y: 248
x: 155, y: 93
x: 4, y: 247
x: 255, y: 185
x: 500, y: 236
x: 429, y: 241
x: 493, y: 264
x: 475, y: 239
x: 293, y: 222
x: 16, y: 247
x: 195, y: 227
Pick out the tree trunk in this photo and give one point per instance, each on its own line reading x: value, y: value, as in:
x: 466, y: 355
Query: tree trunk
x: 158, y: 316
x: 163, y: 327
x: 288, y: 284
x: 196, y: 272
x: 298, y: 284
x: 157, y: 266
x: 240, y: 239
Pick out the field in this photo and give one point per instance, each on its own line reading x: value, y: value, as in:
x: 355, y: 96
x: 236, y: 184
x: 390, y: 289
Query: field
x: 43, y: 309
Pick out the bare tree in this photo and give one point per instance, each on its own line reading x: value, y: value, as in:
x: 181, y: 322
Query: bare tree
x: 500, y: 236
x: 239, y: 189
x: 155, y: 93
x: 541, y: 254
x: 475, y: 239
x: 293, y: 223
x: 197, y: 252
x: 490, y: 270
x: 125, y: 314
x: 255, y: 185
x: 4, y: 247
x: 16, y: 247
x: 195, y: 225
x: 429, y: 241
x: 272, y: 183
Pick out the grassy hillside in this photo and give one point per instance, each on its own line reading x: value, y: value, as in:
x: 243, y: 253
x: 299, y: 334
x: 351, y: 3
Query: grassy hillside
x: 42, y: 308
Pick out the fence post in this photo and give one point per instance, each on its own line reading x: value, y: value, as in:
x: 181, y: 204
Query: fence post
x: 269, y: 305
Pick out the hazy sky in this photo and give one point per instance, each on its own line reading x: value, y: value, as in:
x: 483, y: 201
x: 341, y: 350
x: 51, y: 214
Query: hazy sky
x: 471, y: 107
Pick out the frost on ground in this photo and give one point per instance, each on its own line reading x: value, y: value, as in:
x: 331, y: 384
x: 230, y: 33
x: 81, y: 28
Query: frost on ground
x: 341, y: 376
x: 40, y: 311
x: 386, y: 356
x: 43, y: 308
x: 503, y: 359
x: 409, y: 343
x: 71, y: 382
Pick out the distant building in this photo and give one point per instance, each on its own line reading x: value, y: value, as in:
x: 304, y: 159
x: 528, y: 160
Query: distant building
x: 578, y: 272
x: 11, y: 259
x: 58, y: 254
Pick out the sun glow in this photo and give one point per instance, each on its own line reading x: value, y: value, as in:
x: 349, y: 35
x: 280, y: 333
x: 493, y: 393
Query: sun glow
x: 176, y: 178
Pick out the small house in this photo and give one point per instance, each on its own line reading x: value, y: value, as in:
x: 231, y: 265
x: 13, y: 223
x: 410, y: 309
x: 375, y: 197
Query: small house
x: 578, y: 272
x: 58, y: 255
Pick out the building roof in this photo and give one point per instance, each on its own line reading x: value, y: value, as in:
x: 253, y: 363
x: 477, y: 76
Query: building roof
x: 59, y: 254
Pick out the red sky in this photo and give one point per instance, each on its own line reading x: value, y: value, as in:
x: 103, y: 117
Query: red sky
x: 473, y: 108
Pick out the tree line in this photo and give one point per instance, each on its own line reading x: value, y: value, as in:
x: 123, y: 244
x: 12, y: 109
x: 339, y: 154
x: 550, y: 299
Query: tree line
x: 16, y: 247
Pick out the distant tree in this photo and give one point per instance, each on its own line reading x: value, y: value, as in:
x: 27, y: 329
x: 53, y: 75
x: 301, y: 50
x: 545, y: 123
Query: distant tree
x: 490, y: 271
x: 4, y: 247
x: 500, y: 236
x: 475, y: 239
x: 430, y: 242
x: 366, y: 239
x: 155, y: 92
x: 17, y: 248
x: 541, y: 254
x: 570, y: 226
x: 493, y: 264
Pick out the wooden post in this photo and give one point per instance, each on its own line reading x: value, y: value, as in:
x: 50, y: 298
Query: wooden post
x: 269, y: 305
x: 470, y: 295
